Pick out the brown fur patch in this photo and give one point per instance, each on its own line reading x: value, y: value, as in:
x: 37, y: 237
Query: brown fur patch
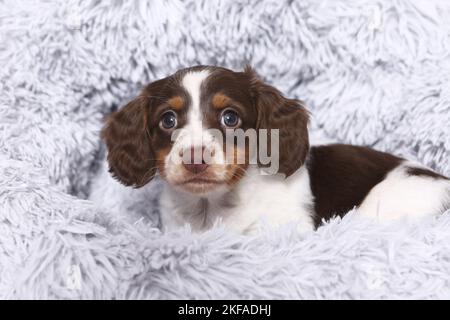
x: 161, y: 158
x: 286, y: 115
x: 235, y: 170
x: 176, y: 103
x: 220, y: 101
x: 422, y: 172
x: 130, y: 153
x: 341, y: 176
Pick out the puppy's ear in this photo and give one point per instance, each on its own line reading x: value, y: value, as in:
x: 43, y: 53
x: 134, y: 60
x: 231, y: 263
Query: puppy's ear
x: 130, y: 155
x: 288, y: 116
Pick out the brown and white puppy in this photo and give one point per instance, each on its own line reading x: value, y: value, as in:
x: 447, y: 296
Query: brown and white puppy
x: 313, y: 183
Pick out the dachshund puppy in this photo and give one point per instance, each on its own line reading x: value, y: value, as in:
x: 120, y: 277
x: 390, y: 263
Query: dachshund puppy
x: 230, y: 147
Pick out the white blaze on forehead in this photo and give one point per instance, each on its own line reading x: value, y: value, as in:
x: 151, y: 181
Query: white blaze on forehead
x: 193, y: 134
x: 192, y: 83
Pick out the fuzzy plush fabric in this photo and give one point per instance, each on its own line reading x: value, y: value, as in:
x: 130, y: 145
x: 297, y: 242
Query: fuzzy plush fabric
x: 372, y: 72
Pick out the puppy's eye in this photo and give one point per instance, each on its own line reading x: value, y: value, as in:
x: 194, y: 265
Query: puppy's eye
x: 230, y: 119
x: 168, y: 120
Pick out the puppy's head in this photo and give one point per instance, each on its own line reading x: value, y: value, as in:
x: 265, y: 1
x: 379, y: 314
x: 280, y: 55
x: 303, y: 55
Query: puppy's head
x: 184, y: 127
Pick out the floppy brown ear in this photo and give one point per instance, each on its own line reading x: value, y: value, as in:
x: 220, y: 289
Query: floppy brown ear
x: 130, y: 155
x: 288, y: 116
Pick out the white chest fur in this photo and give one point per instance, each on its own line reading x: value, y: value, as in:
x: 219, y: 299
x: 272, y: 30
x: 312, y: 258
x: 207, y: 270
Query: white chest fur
x: 255, y: 200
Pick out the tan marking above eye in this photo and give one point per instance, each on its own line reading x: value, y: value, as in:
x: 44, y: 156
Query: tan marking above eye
x: 220, y: 101
x: 176, y: 102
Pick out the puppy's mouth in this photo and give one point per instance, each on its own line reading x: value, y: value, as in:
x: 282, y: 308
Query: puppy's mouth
x: 201, y: 181
x: 201, y: 185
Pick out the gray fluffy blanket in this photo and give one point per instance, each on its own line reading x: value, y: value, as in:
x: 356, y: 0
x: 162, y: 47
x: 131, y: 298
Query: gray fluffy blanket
x: 373, y: 73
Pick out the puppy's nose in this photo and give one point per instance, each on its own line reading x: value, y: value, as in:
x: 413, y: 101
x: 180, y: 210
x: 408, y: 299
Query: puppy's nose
x: 197, y: 162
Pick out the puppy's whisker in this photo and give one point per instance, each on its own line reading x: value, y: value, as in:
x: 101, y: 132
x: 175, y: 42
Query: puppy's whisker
x: 148, y: 173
